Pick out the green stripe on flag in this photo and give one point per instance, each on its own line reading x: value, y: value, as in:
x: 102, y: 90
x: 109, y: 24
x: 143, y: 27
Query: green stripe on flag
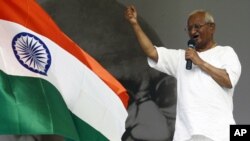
x: 87, y: 132
x: 34, y: 106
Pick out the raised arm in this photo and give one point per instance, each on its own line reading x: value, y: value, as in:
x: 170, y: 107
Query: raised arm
x: 144, y: 41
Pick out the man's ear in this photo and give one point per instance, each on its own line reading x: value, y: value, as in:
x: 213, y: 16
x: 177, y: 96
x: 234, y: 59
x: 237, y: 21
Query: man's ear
x: 212, y: 25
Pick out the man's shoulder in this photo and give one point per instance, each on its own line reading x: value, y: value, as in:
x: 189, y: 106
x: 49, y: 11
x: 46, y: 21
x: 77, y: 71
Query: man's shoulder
x: 225, y: 49
x: 170, y: 50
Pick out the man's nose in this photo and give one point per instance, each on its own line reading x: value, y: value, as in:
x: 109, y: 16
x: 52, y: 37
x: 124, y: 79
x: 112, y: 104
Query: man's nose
x: 192, y: 30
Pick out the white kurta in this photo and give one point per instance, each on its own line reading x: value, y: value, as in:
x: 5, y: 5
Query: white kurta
x: 203, y: 106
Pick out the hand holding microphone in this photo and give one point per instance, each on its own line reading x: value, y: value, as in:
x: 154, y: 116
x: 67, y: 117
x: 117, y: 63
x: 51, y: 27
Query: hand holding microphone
x: 191, y: 44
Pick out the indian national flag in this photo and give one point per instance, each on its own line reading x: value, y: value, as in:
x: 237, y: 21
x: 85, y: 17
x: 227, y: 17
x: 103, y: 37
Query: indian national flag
x: 48, y: 85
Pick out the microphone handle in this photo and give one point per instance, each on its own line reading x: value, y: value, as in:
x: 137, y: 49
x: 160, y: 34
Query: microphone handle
x: 189, y: 64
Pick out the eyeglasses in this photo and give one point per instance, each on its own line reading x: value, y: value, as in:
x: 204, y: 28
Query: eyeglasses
x: 195, y: 26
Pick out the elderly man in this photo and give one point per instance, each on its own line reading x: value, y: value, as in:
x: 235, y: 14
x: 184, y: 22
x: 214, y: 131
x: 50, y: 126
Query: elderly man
x: 204, y: 101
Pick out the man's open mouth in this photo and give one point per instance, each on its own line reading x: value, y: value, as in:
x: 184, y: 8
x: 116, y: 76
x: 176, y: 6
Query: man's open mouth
x: 195, y: 37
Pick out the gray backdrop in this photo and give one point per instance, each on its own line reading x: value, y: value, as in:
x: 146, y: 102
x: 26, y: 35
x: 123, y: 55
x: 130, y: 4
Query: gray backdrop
x: 168, y: 19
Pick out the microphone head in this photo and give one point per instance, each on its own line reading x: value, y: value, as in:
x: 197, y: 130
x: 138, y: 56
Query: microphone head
x: 191, y: 43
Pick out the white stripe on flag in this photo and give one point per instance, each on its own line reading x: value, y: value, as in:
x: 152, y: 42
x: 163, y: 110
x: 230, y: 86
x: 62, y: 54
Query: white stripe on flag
x: 85, y: 94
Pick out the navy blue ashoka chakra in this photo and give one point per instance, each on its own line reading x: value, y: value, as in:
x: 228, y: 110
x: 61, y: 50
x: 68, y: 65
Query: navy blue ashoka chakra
x: 31, y: 52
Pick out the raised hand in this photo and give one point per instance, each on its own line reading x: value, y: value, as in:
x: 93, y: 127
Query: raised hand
x: 131, y: 14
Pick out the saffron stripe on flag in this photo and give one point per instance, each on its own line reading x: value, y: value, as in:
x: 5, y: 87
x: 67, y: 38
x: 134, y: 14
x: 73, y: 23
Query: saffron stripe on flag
x: 29, y: 14
x: 87, y: 97
x: 79, y: 87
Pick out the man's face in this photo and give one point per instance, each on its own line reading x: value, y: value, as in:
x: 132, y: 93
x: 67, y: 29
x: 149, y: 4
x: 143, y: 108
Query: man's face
x: 199, y: 30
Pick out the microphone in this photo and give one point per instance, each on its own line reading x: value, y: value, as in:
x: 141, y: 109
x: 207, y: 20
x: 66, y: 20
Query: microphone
x: 191, y: 44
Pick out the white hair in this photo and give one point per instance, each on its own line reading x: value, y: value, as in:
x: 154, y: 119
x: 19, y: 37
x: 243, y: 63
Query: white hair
x: 208, y: 17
